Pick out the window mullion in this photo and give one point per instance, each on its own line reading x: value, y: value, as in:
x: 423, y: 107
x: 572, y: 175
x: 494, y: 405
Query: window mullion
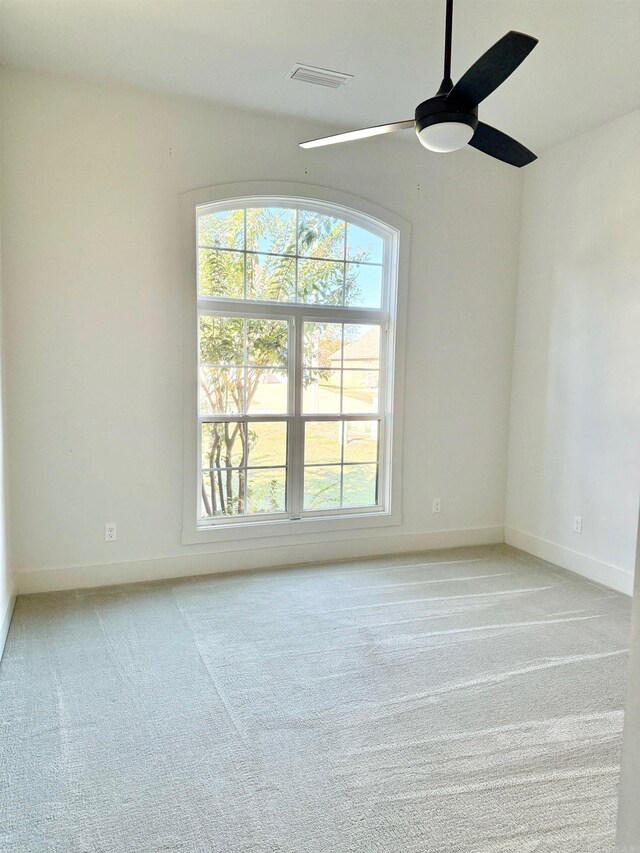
x: 296, y: 471
x: 244, y: 249
x: 245, y: 369
x: 296, y: 260
x: 217, y: 306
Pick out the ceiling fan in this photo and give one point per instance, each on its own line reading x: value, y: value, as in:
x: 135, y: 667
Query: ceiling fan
x: 449, y: 120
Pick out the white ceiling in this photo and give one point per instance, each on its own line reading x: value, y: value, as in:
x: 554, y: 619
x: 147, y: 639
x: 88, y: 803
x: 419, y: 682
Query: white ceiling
x: 585, y: 70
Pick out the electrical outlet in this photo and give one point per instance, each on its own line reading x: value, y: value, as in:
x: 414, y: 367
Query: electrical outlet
x: 577, y: 524
x: 437, y: 505
x: 110, y: 532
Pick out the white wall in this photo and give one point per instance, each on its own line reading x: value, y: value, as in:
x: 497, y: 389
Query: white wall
x: 93, y: 325
x: 575, y: 415
x: 7, y: 592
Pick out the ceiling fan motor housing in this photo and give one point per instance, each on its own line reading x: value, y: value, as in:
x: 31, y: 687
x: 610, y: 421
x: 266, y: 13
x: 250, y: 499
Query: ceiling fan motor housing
x: 436, y: 110
x: 442, y: 126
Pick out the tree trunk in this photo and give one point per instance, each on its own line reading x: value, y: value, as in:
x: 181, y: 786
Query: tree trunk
x: 223, y: 507
x: 206, y: 501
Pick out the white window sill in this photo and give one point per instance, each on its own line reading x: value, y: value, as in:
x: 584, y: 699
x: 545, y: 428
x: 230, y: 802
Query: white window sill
x: 262, y: 529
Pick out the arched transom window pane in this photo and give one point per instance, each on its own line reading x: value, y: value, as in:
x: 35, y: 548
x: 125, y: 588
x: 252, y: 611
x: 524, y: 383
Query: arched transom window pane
x: 289, y: 254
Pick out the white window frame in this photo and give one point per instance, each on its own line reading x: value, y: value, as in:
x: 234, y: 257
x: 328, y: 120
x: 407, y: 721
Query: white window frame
x: 360, y: 212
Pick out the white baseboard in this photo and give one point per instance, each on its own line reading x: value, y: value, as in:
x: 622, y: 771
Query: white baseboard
x: 135, y: 571
x: 594, y: 570
x: 5, y: 620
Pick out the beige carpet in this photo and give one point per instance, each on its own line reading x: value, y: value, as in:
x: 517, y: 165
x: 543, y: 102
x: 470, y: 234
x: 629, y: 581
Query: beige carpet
x: 464, y: 701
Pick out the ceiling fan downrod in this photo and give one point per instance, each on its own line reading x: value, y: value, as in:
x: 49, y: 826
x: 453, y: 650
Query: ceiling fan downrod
x: 447, y: 83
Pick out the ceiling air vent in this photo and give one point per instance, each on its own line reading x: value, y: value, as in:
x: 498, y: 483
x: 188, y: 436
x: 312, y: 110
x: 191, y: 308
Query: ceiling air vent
x: 319, y: 76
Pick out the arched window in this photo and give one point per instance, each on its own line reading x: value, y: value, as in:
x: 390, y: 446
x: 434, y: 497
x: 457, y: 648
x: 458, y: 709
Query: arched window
x: 295, y: 361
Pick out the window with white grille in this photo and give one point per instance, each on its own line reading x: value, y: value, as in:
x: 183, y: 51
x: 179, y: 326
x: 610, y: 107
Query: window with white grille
x: 295, y: 361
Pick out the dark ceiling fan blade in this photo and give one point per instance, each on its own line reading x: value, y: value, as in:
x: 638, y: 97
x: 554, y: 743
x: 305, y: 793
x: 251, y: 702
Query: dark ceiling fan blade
x: 497, y: 144
x: 359, y: 134
x: 491, y: 69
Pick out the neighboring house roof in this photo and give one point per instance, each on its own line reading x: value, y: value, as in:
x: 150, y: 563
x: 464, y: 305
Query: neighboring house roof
x: 365, y: 348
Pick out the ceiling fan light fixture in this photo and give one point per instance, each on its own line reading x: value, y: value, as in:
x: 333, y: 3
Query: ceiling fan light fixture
x: 442, y: 128
x: 446, y: 136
